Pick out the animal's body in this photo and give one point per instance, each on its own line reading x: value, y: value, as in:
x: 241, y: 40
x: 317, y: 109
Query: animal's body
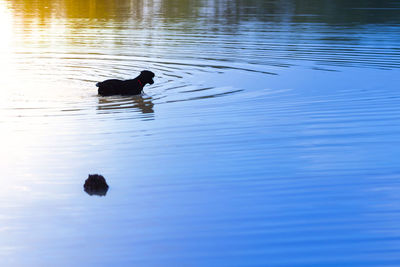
x: 125, y: 87
x: 95, y: 184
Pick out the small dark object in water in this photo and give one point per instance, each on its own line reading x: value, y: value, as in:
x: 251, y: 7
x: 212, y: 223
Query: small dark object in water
x: 126, y: 87
x: 95, y: 184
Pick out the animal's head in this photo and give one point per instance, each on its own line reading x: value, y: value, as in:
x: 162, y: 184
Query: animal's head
x: 147, y: 76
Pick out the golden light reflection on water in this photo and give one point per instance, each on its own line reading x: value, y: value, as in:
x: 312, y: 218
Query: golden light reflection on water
x: 6, y: 26
x: 27, y: 98
x: 6, y: 44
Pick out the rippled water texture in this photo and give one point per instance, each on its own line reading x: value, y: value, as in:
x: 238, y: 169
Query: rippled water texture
x: 270, y: 136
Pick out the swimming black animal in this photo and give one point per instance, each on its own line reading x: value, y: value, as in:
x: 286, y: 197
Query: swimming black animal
x: 125, y: 87
x: 95, y: 184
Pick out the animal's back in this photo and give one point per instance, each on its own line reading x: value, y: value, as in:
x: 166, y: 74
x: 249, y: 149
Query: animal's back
x: 110, y: 83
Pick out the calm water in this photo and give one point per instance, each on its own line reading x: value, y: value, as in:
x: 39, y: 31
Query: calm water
x: 270, y: 137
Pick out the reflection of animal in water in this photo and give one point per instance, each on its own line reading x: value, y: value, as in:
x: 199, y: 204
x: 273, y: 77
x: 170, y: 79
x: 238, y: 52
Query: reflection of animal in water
x: 126, y: 87
x: 95, y: 184
x: 145, y: 105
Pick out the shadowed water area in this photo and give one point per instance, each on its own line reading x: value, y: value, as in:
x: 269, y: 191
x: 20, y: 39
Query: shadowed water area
x: 270, y: 136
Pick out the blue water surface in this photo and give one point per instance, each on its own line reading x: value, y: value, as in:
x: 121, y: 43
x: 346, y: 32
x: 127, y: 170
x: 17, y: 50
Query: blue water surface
x: 270, y: 136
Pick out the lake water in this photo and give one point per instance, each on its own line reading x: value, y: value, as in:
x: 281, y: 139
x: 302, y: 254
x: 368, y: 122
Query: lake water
x: 270, y: 136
